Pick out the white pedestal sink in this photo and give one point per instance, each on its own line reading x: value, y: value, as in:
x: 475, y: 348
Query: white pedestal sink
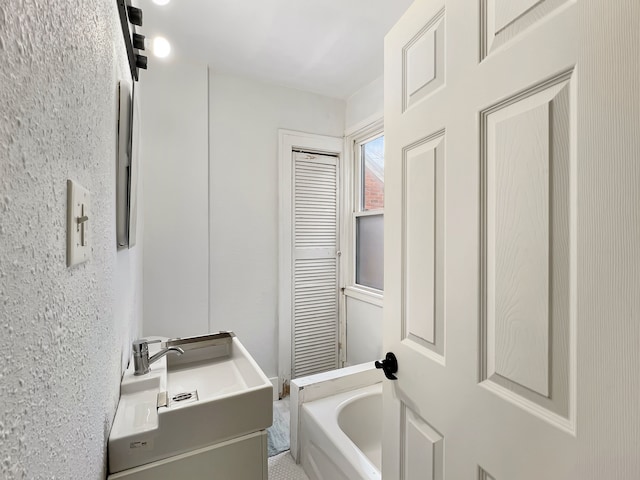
x: 212, y: 394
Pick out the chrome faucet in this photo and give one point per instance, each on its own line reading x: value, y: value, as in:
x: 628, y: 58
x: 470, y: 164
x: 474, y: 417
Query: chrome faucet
x: 141, y: 360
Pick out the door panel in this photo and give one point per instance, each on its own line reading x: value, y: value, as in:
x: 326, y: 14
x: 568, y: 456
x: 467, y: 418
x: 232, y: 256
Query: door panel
x: 526, y: 278
x: 423, y: 62
x: 483, y: 475
x: 423, y: 243
x: 501, y: 21
x: 423, y: 448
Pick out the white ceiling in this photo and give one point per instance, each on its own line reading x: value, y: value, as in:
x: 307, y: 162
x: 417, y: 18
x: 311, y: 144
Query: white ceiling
x: 331, y: 47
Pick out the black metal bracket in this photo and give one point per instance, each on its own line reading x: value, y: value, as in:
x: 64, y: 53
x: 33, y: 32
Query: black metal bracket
x: 131, y: 16
x: 389, y: 366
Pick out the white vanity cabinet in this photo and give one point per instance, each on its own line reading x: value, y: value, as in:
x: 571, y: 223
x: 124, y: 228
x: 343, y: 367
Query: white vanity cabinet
x: 243, y: 458
x: 200, y: 413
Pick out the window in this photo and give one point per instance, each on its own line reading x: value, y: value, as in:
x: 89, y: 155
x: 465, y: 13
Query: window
x: 369, y: 215
x: 372, y: 174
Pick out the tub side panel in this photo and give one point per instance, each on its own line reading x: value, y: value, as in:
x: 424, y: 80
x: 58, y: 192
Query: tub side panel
x: 326, y: 452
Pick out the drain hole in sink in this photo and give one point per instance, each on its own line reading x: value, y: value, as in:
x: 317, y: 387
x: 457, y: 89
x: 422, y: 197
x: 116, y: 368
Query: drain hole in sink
x: 183, y: 397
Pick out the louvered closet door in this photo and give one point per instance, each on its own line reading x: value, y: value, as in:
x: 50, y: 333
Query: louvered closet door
x: 315, y: 272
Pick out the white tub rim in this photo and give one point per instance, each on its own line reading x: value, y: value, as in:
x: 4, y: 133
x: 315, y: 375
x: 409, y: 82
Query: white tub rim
x: 321, y: 385
x: 357, y: 458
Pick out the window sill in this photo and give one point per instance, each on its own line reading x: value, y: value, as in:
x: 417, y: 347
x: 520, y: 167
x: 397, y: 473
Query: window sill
x: 369, y: 296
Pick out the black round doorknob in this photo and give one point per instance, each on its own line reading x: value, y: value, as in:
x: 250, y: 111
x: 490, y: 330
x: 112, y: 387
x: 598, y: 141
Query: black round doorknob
x: 389, y: 365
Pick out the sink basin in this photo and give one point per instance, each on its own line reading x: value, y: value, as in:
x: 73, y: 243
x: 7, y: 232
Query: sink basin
x: 214, y: 392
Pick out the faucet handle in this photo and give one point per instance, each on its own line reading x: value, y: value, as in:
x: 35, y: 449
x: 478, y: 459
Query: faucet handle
x: 142, y: 345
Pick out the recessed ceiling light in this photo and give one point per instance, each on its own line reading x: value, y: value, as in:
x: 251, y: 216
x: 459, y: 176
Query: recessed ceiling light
x: 161, y: 2
x: 161, y: 47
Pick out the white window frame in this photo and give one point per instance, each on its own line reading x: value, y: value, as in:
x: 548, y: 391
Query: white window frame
x: 353, y: 209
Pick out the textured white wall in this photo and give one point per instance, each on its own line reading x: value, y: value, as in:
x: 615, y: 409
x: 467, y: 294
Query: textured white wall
x: 175, y: 142
x: 244, y: 120
x: 64, y: 333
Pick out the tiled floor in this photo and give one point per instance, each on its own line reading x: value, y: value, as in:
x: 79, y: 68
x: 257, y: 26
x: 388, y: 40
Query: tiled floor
x: 282, y: 467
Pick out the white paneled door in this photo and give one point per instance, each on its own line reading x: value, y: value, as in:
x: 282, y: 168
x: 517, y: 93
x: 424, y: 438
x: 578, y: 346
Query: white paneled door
x: 511, y: 165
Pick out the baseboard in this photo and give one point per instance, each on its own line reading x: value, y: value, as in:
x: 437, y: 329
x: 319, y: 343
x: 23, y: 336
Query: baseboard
x: 276, y: 386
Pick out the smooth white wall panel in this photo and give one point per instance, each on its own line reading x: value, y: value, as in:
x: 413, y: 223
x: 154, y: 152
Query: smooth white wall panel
x: 364, y: 320
x: 245, y: 116
x: 364, y: 332
x: 365, y: 104
x: 176, y: 204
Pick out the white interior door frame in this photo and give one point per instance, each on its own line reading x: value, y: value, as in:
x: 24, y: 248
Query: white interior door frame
x: 289, y: 140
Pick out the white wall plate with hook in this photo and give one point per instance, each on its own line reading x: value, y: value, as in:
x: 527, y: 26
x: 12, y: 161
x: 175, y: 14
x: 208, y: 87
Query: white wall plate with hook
x: 78, y: 224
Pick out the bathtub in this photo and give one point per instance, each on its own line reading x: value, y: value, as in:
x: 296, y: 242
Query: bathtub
x: 340, y: 435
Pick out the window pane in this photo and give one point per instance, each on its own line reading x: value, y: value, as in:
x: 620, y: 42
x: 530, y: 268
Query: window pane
x: 370, y: 251
x: 373, y: 174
